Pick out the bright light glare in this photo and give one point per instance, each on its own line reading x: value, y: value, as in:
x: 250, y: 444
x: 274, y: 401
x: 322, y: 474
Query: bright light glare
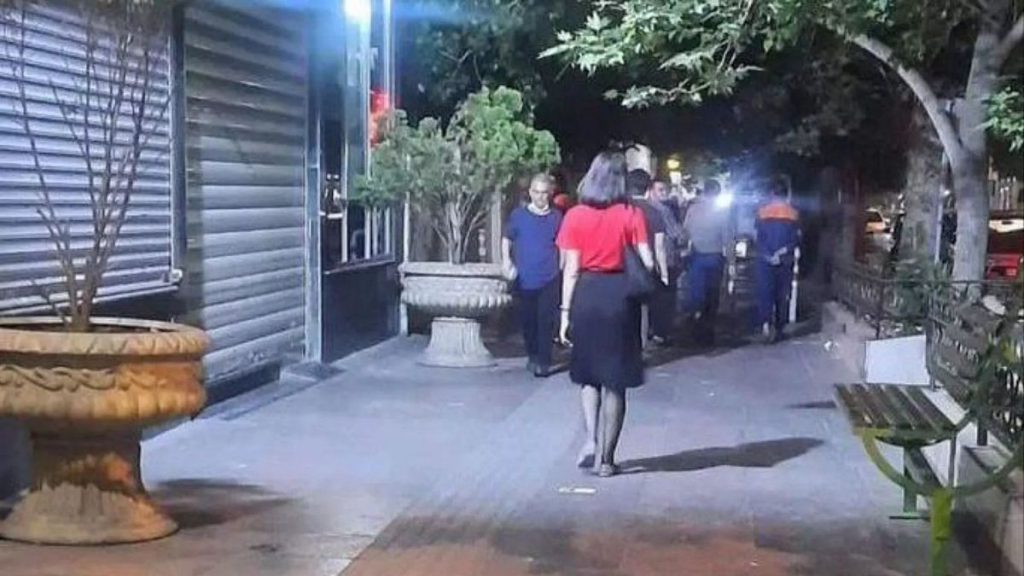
x: 723, y: 200
x: 357, y: 10
x: 673, y: 164
x: 741, y: 248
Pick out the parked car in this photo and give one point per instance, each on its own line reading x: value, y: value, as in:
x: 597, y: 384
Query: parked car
x: 1005, y: 246
x: 876, y: 223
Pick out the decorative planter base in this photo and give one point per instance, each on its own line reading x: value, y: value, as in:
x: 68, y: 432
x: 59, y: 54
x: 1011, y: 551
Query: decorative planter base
x: 456, y: 343
x: 85, y: 397
x: 86, y: 491
x: 458, y: 296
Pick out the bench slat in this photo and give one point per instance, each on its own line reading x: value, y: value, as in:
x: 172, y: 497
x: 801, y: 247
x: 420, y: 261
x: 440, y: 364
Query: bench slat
x: 980, y: 317
x: 875, y: 412
x: 921, y: 401
x: 893, y: 411
x: 963, y: 365
x: 915, y: 414
x: 920, y: 469
x: 971, y: 340
x: 854, y: 412
x: 942, y: 425
x: 956, y: 386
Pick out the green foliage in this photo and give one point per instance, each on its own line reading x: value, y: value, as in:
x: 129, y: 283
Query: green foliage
x: 1006, y: 117
x: 477, y: 43
x: 704, y: 47
x: 838, y: 98
x: 918, y: 284
x: 452, y: 173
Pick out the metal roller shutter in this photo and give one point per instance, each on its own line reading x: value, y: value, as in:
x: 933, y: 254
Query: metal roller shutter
x: 245, y: 78
x: 55, y: 71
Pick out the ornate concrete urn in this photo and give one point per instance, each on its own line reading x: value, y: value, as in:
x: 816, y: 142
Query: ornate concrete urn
x: 458, y: 296
x: 85, y: 398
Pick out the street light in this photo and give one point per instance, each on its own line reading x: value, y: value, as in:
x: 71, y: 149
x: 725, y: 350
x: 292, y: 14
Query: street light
x: 357, y: 11
x: 673, y: 164
x: 723, y: 200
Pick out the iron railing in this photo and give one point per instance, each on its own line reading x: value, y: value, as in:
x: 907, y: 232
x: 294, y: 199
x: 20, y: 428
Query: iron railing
x: 895, y: 306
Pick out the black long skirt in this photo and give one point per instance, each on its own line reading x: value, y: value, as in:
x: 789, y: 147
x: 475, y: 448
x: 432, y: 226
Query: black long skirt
x: 607, y: 350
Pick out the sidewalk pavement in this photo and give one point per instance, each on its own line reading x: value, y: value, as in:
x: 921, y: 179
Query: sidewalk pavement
x: 736, y: 463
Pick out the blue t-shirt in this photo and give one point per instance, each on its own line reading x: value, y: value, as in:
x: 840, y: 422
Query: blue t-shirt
x: 533, y: 246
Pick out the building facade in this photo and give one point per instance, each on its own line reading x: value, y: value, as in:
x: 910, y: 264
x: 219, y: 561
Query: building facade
x: 240, y: 223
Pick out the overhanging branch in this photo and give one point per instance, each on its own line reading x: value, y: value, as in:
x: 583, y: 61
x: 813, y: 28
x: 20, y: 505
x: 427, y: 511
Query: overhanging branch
x: 921, y: 89
x: 1012, y: 39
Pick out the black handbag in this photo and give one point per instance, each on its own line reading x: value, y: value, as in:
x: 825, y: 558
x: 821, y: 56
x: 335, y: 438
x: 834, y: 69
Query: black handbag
x: 640, y: 282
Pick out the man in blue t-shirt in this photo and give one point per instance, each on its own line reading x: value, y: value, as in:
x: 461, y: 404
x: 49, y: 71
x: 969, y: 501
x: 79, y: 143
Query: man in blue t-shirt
x: 531, y: 261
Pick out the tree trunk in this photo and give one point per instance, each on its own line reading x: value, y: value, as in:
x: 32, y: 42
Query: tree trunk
x: 851, y: 213
x: 922, y: 193
x: 456, y: 239
x: 969, y: 174
x: 966, y: 143
x: 972, y: 213
x: 423, y: 240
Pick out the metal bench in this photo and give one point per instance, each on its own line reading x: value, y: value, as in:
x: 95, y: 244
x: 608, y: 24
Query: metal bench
x: 974, y: 357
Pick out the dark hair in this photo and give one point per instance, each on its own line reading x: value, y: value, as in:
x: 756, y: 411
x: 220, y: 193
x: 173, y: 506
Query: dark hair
x: 711, y: 187
x: 637, y: 182
x: 777, y: 187
x: 605, y: 181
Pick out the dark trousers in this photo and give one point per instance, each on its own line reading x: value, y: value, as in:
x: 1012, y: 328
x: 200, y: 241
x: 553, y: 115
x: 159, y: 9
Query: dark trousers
x: 538, y: 310
x: 705, y: 278
x: 662, y: 307
x: 773, y: 292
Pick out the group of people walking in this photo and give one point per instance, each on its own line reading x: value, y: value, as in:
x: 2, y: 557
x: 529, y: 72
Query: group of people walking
x: 570, y: 272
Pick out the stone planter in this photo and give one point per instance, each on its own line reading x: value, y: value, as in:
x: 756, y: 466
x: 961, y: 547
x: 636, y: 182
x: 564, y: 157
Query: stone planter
x: 457, y: 296
x: 85, y: 398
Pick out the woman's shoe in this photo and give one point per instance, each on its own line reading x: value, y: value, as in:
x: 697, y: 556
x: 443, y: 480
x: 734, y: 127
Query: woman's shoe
x: 586, y: 456
x: 607, y: 470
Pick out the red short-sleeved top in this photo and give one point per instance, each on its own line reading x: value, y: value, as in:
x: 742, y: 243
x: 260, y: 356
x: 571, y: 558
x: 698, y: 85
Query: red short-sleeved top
x: 601, y: 235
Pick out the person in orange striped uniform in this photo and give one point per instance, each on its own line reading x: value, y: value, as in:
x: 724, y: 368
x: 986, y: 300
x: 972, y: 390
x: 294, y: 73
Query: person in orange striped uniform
x: 778, y: 235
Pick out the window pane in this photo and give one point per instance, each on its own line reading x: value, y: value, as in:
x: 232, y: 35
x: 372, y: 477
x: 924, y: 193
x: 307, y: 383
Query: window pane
x: 357, y: 236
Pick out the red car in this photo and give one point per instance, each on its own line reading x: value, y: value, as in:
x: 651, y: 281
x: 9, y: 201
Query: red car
x: 1005, y: 246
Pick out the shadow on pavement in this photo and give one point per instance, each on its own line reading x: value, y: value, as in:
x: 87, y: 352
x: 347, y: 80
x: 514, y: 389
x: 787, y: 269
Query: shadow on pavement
x: 197, y: 503
x: 751, y: 455
x: 814, y: 405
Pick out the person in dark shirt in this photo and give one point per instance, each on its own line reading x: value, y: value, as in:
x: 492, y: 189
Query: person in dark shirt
x: 531, y: 260
x: 661, y: 308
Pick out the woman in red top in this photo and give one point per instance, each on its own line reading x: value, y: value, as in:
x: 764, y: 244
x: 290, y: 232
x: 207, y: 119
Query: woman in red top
x: 606, y: 345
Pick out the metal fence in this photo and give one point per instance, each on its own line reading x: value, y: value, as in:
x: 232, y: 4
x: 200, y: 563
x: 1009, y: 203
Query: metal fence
x: 894, y: 306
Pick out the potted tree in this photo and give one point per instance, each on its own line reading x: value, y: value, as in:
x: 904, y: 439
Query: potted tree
x: 453, y: 174
x: 86, y: 386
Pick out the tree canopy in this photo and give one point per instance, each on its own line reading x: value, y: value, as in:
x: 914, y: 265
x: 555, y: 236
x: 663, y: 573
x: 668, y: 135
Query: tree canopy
x: 452, y: 50
x: 688, y: 50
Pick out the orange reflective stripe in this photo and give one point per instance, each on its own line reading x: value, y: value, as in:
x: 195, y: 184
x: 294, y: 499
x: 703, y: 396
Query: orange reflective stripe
x: 777, y: 211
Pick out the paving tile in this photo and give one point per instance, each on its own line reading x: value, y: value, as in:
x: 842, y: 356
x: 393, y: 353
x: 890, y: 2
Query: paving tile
x: 736, y: 464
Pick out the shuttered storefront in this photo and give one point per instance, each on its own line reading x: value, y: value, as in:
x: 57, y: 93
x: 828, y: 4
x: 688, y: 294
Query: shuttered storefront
x: 55, y: 63
x: 245, y: 78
